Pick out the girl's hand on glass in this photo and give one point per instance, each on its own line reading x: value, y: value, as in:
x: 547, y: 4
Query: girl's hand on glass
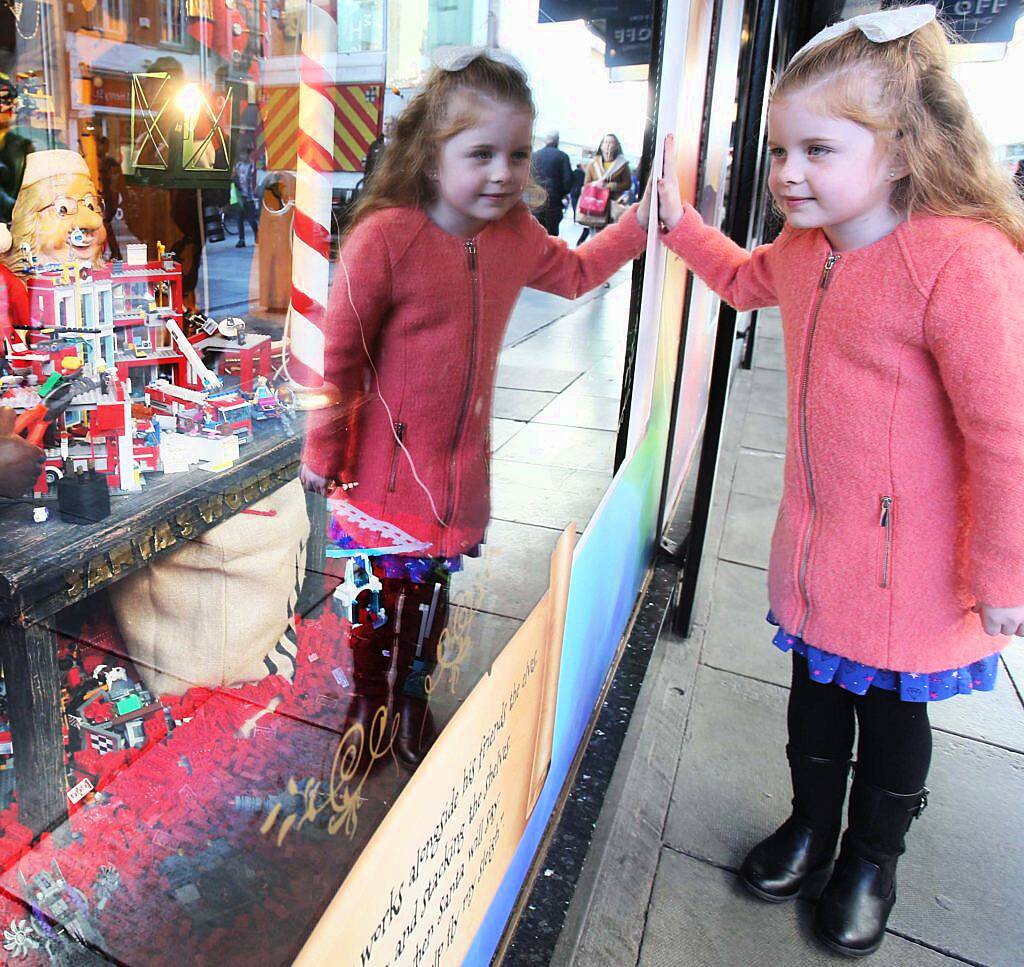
x: 1001, y: 621
x: 313, y: 482
x: 670, y: 205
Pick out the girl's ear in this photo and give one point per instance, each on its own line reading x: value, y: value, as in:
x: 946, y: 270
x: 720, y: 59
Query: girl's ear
x: 898, y: 167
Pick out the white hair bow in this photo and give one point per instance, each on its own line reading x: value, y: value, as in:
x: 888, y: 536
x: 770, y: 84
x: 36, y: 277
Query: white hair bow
x: 450, y: 58
x: 879, y: 28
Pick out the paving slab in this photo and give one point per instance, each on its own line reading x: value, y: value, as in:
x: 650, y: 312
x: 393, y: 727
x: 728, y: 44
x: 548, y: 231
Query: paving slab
x: 560, y: 359
x: 768, y: 394
x: 748, y: 530
x: 605, y: 922
x: 1013, y: 661
x: 609, y: 366
x: 764, y: 432
x: 534, y: 378
x: 502, y: 431
x: 768, y: 354
x: 962, y: 878
x: 996, y: 716
x: 519, y: 404
x: 511, y: 575
x: 536, y: 310
x: 701, y: 917
x: 758, y: 474
x: 548, y: 507
x: 541, y: 476
x: 583, y: 341
x: 769, y: 325
x: 598, y: 384
x: 560, y: 446
x: 738, y: 639
x: 573, y: 409
x: 732, y: 788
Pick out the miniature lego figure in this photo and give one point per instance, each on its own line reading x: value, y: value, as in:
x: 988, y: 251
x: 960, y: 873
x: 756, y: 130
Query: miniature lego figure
x: 60, y: 924
x: 58, y: 214
x: 360, y: 579
x: 129, y: 704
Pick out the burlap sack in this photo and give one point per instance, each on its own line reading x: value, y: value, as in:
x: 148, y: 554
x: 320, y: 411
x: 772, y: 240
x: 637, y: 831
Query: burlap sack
x: 220, y: 611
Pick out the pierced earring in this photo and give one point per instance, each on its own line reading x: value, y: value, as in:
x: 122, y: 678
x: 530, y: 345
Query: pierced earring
x: 892, y: 174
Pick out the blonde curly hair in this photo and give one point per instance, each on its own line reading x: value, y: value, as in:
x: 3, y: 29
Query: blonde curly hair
x: 904, y: 92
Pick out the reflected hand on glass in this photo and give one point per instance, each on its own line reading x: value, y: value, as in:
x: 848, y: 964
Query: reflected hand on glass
x: 670, y: 205
x: 20, y: 462
x: 313, y: 481
x: 643, y: 210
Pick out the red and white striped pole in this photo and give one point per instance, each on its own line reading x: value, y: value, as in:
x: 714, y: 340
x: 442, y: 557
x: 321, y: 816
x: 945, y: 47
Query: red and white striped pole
x: 312, y: 227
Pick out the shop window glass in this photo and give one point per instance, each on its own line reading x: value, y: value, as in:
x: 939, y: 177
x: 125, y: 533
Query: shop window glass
x: 243, y: 679
x: 360, y: 25
x: 173, y: 22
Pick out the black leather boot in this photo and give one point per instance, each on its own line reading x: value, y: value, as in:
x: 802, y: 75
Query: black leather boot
x: 369, y: 718
x: 804, y: 844
x: 855, y: 905
x: 424, y: 608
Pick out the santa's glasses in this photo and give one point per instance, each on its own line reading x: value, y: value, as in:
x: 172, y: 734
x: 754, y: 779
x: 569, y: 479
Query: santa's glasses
x: 64, y: 206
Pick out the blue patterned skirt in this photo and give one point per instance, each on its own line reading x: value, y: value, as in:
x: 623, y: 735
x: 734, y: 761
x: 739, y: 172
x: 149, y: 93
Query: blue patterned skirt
x: 855, y: 677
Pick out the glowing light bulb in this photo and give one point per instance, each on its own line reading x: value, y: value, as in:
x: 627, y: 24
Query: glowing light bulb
x: 190, y: 101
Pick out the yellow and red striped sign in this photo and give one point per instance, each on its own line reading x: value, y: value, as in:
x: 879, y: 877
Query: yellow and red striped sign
x: 357, y: 117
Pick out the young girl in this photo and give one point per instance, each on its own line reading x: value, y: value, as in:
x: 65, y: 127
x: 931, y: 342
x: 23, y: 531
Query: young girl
x: 436, y: 255
x: 896, y: 566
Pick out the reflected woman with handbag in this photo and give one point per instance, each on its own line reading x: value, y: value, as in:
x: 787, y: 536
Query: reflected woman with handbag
x: 608, y: 178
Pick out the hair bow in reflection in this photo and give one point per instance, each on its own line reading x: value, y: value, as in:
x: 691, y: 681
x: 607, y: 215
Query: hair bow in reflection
x: 451, y: 58
x: 879, y: 28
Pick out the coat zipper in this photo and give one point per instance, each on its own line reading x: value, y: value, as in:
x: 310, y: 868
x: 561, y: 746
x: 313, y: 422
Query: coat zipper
x: 470, y: 245
x: 885, y: 520
x: 802, y: 578
x: 399, y: 439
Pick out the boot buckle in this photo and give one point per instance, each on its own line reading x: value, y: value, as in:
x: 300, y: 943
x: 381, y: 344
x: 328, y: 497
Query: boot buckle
x: 922, y: 803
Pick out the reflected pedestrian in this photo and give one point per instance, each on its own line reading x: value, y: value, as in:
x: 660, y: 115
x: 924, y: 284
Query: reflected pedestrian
x: 376, y: 149
x: 607, y: 169
x: 244, y: 179
x: 576, y: 186
x: 552, y: 170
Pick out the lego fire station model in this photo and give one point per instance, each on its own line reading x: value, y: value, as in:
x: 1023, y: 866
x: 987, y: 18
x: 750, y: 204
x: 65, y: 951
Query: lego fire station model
x: 110, y: 358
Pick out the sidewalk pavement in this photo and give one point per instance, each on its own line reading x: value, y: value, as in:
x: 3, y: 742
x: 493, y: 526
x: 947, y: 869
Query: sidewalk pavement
x: 702, y: 775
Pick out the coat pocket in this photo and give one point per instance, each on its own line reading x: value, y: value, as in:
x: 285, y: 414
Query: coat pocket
x: 885, y: 521
x: 396, y: 456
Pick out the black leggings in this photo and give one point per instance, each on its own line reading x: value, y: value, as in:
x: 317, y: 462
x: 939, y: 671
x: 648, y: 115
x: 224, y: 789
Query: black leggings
x: 894, y: 749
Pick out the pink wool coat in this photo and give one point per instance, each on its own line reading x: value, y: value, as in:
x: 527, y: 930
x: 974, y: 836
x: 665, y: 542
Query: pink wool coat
x: 903, y: 499
x: 434, y: 309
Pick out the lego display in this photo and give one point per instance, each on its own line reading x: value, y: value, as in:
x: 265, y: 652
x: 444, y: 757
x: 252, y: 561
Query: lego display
x: 97, y: 358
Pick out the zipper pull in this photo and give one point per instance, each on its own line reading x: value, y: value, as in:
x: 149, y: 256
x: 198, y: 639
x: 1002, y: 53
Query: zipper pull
x: 471, y: 253
x: 829, y: 262
x: 883, y: 521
